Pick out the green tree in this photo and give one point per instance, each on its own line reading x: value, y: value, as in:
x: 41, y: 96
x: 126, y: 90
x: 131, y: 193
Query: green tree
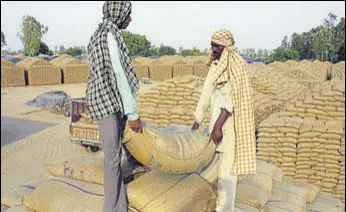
x: 3, y: 41
x: 74, y: 51
x: 166, y: 50
x: 283, y: 54
x: 44, y: 49
x: 285, y: 43
x: 138, y: 45
x: 265, y: 53
x: 260, y: 53
x: 31, y: 34
x: 194, y: 52
x: 339, y: 41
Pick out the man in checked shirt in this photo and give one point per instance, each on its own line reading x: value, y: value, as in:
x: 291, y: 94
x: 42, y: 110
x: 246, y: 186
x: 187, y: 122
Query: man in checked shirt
x: 111, y: 91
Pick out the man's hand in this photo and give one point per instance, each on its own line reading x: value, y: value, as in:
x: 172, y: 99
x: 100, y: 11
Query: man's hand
x: 216, y: 134
x: 195, y: 126
x: 136, y: 125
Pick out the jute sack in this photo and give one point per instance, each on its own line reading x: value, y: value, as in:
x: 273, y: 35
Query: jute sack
x: 270, y: 169
x: 63, y: 194
x: 282, y: 207
x: 210, y: 173
x: 287, y: 192
x: 16, y: 208
x: 325, y: 202
x: 14, y: 196
x: 239, y: 207
x: 84, y: 168
x: 90, y: 168
x: 159, y: 192
x: 259, y: 179
x: 251, y: 195
x: 312, y: 189
x: 4, y: 208
x: 168, y: 150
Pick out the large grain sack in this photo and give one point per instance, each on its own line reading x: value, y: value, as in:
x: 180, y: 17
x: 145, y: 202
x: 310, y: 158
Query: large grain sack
x: 210, y: 173
x: 4, y: 208
x: 312, y: 189
x: 168, y: 150
x: 259, y: 179
x: 16, y: 208
x: 282, y: 207
x: 62, y: 194
x: 251, y: 195
x: 240, y: 207
x: 14, y: 196
x: 159, y: 192
x: 287, y: 192
x: 270, y: 169
x: 89, y: 168
x: 325, y: 202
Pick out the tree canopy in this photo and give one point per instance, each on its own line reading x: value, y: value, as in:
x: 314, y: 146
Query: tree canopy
x: 31, y: 34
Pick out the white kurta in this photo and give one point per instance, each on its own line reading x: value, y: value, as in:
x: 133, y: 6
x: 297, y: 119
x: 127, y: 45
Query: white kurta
x: 218, y: 97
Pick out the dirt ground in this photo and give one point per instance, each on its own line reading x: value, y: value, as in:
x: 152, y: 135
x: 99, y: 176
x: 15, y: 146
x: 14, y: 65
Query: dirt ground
x: 23, y: 160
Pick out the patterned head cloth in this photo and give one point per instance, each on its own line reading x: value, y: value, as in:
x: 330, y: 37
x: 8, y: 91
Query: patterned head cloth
x: 225, y: 38
x: 102, y: 94
x: 116, y: 11
x: 233, y: 68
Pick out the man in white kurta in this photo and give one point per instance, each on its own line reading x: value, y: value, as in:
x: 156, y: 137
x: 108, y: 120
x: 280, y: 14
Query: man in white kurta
x: 219, y: 97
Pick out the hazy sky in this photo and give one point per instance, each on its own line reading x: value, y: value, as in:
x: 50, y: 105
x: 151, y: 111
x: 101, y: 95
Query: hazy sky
x: 187, y: 24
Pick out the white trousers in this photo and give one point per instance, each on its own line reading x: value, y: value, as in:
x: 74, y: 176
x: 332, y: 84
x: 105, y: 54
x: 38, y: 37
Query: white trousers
x: 226, y: 183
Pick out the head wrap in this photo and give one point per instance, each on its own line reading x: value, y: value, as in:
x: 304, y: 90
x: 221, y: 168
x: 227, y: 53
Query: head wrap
x: 232, y: 68
x: 225, y: 38
x: 116, y: 11
x: 102, y: 94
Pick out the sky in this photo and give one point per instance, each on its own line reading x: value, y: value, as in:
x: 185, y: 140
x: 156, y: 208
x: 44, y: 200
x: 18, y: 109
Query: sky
x: 185, y: 24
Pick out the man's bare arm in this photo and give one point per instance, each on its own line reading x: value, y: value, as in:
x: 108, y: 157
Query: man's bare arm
x: 216, y: 134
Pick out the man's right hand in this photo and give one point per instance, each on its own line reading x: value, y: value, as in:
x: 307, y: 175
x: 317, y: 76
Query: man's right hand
x: 195, y: 126
x: 136, y: 125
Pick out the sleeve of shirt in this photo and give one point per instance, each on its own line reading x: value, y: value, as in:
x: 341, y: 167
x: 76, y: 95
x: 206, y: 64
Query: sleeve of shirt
x: 204, y: 99
x: 226, y: 102
x: 129, y: 102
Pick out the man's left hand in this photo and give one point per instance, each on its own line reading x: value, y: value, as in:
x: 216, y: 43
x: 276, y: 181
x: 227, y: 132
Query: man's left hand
x: 216, y: 135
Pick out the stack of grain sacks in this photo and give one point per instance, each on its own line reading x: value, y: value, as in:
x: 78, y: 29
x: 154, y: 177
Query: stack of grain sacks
x: 277, y: 142
x: 272, y: 89
x: 319, y: 137
x: 338, y: 70
x: 340, y: 187
x: 319, y: 147
x: 324, y: 102
x: 171, y: 102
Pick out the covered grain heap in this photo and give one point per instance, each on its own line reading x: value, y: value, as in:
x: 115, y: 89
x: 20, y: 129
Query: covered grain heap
x: 39, y: 72
x: 11, y: 75
x: 73, y: 70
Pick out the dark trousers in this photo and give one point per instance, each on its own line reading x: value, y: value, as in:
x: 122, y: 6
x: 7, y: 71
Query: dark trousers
x: 111, y: 129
